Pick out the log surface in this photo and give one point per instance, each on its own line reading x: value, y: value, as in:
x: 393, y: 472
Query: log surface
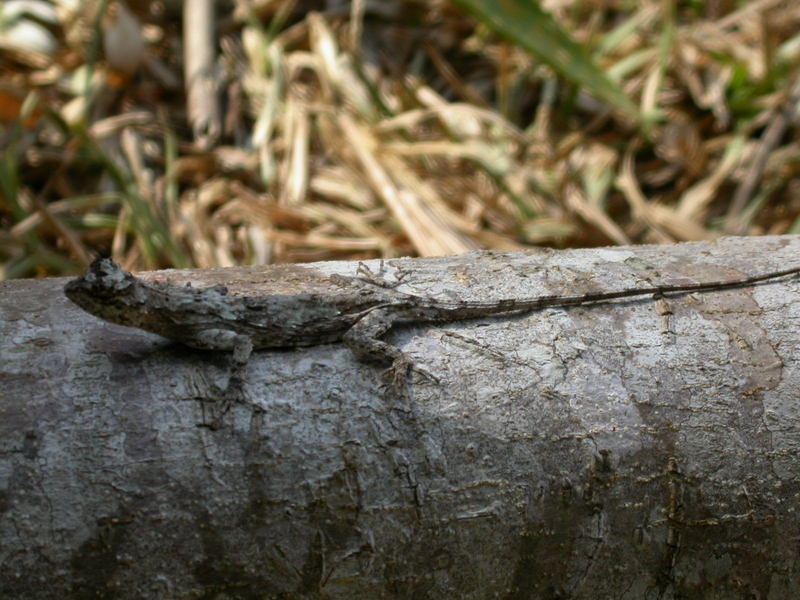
x: 630, y: 449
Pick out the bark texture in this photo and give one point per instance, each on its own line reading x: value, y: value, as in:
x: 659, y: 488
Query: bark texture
x: 606, y: 451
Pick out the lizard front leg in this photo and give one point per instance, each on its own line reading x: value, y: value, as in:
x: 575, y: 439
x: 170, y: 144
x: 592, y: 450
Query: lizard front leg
x: 239, y: 344
x: 241, y: 347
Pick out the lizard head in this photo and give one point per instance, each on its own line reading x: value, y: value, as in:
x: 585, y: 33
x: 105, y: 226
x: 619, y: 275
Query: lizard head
x: 103, y: 282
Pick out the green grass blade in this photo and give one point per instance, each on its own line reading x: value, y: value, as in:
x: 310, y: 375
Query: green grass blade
x: 524, y: 23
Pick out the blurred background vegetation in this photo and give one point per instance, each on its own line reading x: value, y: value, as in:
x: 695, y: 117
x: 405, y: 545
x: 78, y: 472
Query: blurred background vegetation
x: 213, y: 132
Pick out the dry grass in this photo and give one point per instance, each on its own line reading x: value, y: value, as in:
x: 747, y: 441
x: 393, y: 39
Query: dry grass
x: 381, y: 129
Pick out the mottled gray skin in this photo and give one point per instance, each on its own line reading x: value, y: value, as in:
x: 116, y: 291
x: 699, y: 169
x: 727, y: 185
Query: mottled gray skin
x: 210, y: 319
x: 358, y: 313
x: 184, y: 313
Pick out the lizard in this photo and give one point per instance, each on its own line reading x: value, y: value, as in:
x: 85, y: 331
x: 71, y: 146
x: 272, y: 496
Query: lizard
x: 358, y: 314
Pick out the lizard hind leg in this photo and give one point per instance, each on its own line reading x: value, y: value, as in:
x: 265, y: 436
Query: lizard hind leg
x: 363, y: 338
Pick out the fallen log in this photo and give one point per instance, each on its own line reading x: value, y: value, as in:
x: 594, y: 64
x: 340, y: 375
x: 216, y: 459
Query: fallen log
x: 643, y: 447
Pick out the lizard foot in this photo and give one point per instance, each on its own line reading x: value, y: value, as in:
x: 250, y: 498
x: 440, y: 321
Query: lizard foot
x: 233, y: 393
x: 364, y: 273
x: 399, y: 373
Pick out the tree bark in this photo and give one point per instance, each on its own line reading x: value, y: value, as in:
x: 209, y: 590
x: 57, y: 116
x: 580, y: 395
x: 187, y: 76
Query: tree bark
x: 631, y: 449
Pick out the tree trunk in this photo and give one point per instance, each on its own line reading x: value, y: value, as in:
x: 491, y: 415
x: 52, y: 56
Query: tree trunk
x: 642, y: 448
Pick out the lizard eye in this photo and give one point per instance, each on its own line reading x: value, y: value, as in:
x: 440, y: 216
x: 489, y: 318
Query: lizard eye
x: 104, y: 276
